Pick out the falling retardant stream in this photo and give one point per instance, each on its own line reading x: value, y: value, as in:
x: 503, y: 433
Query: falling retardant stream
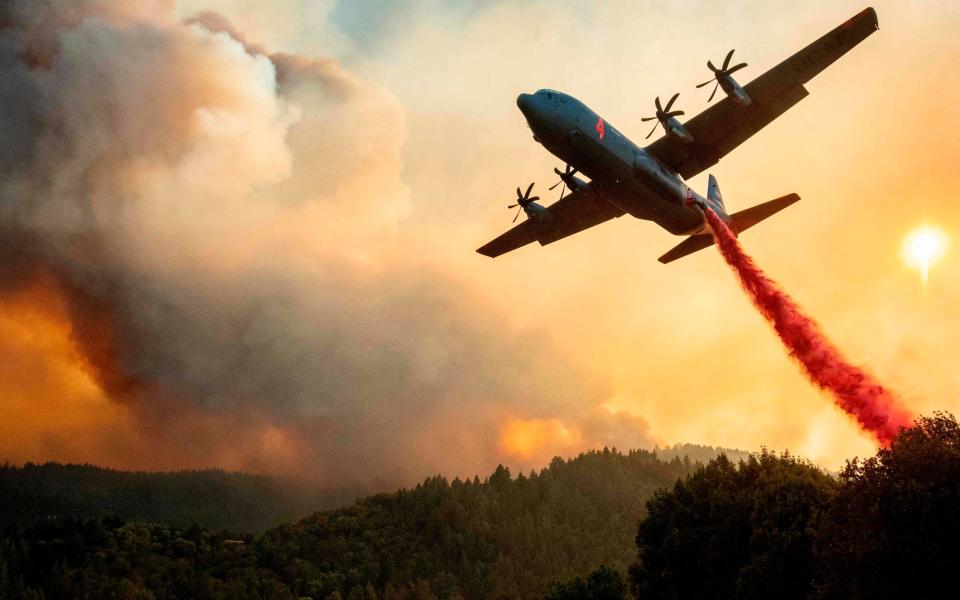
x: 875, y: 408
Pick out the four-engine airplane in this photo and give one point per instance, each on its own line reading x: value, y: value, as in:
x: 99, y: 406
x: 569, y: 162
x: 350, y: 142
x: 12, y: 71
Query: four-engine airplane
x: 648, y: 183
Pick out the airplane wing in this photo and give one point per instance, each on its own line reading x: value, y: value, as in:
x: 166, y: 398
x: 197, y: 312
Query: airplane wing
x: 571, y: 214
x: 727, y: 124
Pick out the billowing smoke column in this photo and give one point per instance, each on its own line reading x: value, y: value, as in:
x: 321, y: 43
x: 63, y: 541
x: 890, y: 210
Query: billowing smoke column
x: 221, y: 224
x: 875, y: 408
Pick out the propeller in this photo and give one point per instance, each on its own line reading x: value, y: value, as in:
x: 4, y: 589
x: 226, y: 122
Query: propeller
x: 523, y: 199
x: 663, y: 113
x: 721, y: 72
x: 568, y: 172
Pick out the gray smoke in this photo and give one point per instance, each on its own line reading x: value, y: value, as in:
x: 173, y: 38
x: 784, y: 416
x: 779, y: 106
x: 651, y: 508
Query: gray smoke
x: 222, y: 223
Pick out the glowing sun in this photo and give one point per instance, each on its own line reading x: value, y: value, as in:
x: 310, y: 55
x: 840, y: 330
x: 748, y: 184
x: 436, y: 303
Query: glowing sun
x: 922, y: 247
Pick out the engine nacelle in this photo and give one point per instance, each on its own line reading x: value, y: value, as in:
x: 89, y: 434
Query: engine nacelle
x: 734, y: 90
x: 677, y: 130
x: 723, y: 79
x: 575, y: 184
x: 537, y: 211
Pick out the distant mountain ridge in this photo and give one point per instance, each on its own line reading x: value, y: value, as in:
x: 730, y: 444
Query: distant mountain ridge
x: 600, y: 526
x: 699, y: 452
x: 505, y: 536
x: 211, y: 498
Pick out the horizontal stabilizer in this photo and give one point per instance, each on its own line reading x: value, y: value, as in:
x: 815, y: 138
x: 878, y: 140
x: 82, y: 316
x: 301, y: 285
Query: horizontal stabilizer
x: 745, y: 219
x: 741, y: 221
x: 688, y: 246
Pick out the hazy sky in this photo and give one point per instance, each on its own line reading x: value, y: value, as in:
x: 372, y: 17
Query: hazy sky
x: 382, y: 179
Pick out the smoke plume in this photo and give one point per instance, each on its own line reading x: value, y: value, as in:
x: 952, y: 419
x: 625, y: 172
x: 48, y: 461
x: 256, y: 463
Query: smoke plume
x: 219, y: 224
x: 875, y: 408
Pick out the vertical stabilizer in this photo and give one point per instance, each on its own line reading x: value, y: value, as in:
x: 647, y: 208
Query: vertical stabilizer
x: 713, y: 190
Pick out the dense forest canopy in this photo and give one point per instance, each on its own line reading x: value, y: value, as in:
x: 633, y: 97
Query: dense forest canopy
x: 745, y: 529
x: 777, y: 527
x: 213, y: 499
x: 605, y: 525
x: 507, y: 535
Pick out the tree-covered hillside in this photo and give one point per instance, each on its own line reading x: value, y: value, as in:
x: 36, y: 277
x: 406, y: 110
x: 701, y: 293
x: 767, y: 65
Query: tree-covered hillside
x: 212, y: 499
x: 505, y: 536
x: 770, y: 526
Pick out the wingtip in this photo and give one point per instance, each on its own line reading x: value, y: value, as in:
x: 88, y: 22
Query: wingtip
x: 869, y: 14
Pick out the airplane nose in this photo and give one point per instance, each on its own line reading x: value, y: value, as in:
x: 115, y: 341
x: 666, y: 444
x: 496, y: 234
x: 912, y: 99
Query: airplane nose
x: 524, y: 102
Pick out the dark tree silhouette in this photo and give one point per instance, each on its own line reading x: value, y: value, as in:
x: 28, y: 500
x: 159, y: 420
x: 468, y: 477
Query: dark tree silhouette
x: 603, y: 584
x: 893, y: 531
x: 732, y: 531
x: 505, y: 537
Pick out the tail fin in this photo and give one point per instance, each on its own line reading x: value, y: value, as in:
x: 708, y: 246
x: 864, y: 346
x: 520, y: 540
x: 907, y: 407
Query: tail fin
x: 741, y: 221
x: 713, y: 190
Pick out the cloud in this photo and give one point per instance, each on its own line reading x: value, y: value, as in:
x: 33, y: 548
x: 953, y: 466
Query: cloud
x: 266, y: 258
x: 224, y: 229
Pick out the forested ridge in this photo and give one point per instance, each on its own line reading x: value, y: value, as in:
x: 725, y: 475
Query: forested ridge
x: 605, y: 525
x: 211, y: 498
x: 506, y: 535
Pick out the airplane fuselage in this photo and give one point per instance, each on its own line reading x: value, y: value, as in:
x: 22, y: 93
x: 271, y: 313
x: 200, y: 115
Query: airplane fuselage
x: 648, y: 183
x: 621, y: 172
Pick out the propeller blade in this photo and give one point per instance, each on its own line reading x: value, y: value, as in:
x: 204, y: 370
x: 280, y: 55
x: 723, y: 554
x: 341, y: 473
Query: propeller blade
x: 645, y: 119
x: 657, y: 102
x: 516, y: 216
x: 713, y: 92
x: 726, y: 61
x: 712, y: 68
x: 672, y: 100
x: 512, y: 205
x: 706, y: 82
x: 652, y: 130
x: 530, y: 187
x: 675, y: 113
x: 736, y: 68
x: 534, y: 199
x: 519, y: 194
x: 568, y: 172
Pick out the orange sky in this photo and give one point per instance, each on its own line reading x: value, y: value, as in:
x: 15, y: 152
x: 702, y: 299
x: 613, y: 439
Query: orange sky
x: 872, y: 151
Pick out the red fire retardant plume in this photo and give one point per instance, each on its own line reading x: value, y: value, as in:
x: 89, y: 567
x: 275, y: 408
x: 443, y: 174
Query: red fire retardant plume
x: 873, y: 406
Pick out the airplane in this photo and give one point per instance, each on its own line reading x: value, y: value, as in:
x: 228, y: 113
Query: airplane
x: 648, y: 183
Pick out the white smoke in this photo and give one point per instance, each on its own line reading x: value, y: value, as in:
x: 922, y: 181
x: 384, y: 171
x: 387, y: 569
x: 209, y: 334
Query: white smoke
x: 222, y: 221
